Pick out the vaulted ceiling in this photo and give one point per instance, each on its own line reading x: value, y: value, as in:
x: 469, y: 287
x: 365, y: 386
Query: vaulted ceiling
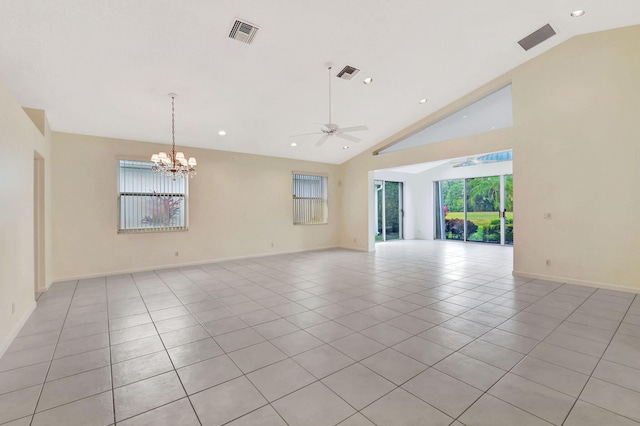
x: 105, y: 67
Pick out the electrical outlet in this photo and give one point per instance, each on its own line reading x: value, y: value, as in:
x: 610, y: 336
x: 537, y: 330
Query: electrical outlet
x: 547, y: 216
x: 355, y: 240
x: 272, y: 244
x: 177, y: 253
x: 548, y: 262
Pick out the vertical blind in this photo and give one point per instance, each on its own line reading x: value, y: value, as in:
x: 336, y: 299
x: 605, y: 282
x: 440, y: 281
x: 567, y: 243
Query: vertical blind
x: 309, y: 199
x: 150, y: 201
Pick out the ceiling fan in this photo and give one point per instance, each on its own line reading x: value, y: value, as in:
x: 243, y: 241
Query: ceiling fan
x: 332, y: 129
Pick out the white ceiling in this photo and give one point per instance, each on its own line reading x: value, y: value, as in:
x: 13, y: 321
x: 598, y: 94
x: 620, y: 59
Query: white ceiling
x: 105, y: 67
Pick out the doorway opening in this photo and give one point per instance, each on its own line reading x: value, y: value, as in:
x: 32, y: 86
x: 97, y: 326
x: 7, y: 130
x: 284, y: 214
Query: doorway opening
x: 476, y: 189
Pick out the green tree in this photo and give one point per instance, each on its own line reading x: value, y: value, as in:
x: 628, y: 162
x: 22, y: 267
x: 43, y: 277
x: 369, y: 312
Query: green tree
x: 452, y: 195
x: 508, y: 190
x: 391, y: 191
x: 483, y: 194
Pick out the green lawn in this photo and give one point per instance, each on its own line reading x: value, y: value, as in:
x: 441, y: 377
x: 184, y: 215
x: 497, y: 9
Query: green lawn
x: 479, y: 218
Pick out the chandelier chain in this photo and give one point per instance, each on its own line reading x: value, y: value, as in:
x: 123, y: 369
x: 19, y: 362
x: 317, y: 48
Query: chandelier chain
x: 173, y: 123
x: 175, y: 164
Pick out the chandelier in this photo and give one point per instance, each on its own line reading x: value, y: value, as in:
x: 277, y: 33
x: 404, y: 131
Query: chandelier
x: 173, y: 164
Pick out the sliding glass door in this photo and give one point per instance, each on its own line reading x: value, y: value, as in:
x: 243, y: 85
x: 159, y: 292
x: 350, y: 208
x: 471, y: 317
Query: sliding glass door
x: 389, y: 210
x: 475, y: 209
x: 483, y: 209
x: 508, y: 209
x: 450, y: 209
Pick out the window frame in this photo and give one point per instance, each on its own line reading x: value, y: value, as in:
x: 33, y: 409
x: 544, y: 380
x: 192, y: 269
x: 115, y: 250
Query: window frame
x: 324, y: 198
x: 156, y: 229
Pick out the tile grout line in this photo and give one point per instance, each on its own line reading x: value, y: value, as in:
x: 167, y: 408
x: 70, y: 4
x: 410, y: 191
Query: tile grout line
x: 355, y: 332
x: 467, y: 344
x: 113, y: 390
x: 367, y: 287
x: 75, y: 288
x: 383, y: 349
x: 288, y: 357
x: 75, y: 374
x: 245, y: 375
x: 174, y: 293
x: 598, y: 363
x: 359, y: 362
x: 166, y: 352
x: 509, y: 371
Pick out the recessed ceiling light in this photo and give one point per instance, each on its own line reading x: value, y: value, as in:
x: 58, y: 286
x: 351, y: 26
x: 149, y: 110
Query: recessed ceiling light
x: 294, y: 144
x: 345, y: 147
x: 423, y: 101
x: 464, y: 116
x: 222, y: 133
x: 577, y: 13
x: 368, y: 80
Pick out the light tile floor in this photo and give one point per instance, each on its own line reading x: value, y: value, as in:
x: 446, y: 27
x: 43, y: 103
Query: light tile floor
x: 429, y: 333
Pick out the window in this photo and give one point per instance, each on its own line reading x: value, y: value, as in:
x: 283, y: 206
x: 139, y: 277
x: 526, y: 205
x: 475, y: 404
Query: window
x: 309, y: 199
x: 494, y: 111
x: 149, y: 201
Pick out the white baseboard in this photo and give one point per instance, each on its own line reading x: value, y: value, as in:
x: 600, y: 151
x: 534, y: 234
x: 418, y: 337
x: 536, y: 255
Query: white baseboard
x: 586, y: 283
x: 5, y: 345
x: 186, y: 264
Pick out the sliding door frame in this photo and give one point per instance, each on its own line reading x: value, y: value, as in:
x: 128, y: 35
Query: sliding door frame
x: 440, y: 219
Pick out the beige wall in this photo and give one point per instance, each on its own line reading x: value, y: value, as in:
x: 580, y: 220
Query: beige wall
x: 239, y: 205
x: 576, y: 147
x: 577, y: 156
x: 20, y: 139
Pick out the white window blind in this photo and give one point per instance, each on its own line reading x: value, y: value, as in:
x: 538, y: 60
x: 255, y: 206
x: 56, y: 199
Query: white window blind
x: 149, y: 201
x: 309, y: 199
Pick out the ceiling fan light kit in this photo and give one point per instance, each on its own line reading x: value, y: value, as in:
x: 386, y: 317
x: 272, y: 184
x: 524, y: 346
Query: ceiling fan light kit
x: 332, y: 129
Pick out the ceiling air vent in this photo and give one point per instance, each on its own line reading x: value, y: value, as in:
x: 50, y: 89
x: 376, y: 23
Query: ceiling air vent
x: 537, y: 37
x: 348, y: 72
x: 243, y: 31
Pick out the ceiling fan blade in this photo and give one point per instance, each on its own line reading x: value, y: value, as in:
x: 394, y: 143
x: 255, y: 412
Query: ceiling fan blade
x: 322, y: 140
x: 347, y: 137
x: 306, y: 134
x: 353, y: 129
